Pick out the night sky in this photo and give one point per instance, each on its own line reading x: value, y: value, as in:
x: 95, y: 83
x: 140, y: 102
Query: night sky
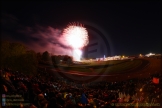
x: 131, y: 27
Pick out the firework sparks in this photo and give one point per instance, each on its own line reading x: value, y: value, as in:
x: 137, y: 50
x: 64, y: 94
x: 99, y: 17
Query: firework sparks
x: 77, y: 37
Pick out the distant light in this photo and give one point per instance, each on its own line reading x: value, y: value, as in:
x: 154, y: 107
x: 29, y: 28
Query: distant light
x: 150, y: 54
x: 140, y: 89
x: 140, y: 55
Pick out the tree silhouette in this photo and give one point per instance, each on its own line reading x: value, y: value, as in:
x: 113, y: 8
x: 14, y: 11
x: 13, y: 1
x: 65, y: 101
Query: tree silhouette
x: 45, y: 56
x: 16, y: 57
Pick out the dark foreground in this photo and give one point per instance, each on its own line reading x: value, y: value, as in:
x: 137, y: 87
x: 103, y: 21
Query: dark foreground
x: 54, y: 90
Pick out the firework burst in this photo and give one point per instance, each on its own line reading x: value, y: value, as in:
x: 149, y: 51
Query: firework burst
x: 76, y: 37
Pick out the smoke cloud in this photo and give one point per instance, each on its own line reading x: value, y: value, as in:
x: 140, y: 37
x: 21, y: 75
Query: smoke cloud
x: 46, y: 39
x: 38, y: 38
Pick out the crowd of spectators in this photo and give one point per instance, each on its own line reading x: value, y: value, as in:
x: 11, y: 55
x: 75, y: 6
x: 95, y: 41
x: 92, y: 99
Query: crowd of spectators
x: 46, y: 91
